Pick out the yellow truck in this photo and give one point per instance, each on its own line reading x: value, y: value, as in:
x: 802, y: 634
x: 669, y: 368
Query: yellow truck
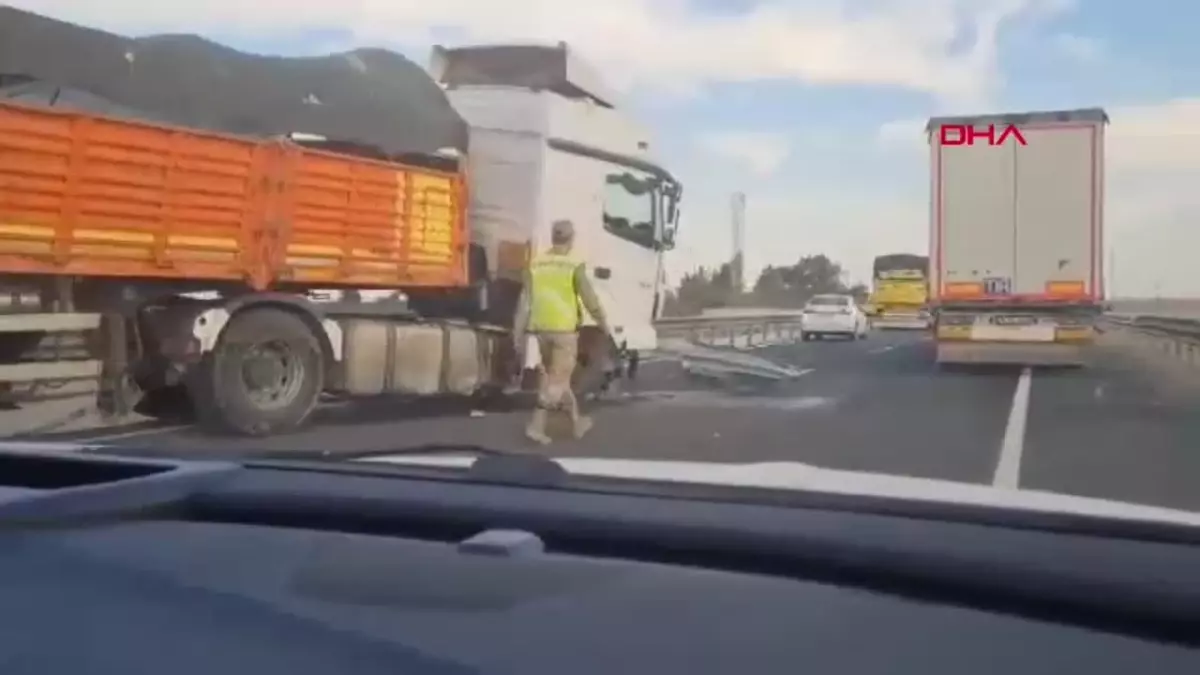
x: 900, y: 291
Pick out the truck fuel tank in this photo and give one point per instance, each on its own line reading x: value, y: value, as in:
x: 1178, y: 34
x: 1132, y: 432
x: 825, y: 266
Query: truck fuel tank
x: 392, y: 357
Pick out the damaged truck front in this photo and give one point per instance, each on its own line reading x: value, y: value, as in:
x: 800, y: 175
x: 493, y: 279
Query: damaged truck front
x: 245, y: 234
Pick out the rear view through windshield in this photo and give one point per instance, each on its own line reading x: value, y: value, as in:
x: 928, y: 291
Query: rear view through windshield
x: 829, y: 301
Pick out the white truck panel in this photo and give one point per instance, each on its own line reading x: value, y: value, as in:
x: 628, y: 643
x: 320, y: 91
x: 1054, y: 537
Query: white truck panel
x: 505, y: 169
x: 1056, y: 212
x: 583, y: 121
x: 976, y: 215
x: 1018, y: 218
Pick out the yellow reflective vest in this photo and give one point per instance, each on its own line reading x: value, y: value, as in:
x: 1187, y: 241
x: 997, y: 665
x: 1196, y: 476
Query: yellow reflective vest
x: 554, y: 303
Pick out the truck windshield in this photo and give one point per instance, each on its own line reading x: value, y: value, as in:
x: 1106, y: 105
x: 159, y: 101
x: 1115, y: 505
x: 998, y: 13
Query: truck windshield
x: 900, y: 275
x: 631, y: 208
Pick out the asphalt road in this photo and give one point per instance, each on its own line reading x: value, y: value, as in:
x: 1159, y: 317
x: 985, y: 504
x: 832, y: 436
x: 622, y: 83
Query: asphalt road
x: 1118, y: 430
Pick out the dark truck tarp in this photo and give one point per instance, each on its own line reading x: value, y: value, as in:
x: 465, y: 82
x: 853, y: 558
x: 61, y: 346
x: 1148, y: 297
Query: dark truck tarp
x: 52, y: 95
x: 371, y: 97
x: 901, y: 261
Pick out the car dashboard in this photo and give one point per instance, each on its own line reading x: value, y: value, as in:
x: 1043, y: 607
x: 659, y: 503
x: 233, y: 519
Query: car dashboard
x: 297, y: 568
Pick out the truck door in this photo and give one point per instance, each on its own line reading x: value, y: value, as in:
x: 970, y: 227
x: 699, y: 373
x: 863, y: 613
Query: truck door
x: 975, y: 217
x: 616, y: 232
x: 626, y: 272
x: 1055, y: 193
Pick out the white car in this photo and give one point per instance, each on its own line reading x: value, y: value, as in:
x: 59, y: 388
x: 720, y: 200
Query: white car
x: 833, y: 315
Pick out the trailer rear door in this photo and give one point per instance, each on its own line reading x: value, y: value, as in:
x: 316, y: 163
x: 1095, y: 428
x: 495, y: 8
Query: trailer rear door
x: 1057, y: 212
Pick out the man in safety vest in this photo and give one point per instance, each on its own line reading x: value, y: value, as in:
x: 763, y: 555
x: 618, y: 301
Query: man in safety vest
x: 556, y: 284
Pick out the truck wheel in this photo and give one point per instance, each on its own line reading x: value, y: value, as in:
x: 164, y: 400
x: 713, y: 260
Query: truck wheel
x: 264, y: 377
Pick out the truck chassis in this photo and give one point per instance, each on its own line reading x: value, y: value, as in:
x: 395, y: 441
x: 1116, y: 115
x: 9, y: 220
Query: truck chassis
x: 252, y: 363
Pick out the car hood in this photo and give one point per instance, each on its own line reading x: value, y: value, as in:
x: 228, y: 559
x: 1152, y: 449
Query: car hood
x: 798, y: 476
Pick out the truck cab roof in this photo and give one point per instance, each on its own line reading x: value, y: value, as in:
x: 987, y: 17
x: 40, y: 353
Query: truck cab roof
x: 554, y: 68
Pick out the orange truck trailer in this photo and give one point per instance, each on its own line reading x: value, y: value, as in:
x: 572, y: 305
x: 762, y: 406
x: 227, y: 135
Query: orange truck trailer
x: 105, y: 226
x: 160, y: 259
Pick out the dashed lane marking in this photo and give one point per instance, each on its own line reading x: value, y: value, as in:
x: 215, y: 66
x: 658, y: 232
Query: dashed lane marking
x: 1008, y: 469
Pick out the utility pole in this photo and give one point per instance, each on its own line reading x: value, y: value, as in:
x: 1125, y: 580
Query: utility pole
x: 1111, y: 291
x: 737, y: 265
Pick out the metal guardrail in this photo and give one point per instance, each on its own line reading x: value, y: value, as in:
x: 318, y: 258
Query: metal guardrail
x: 1172, y: 325
x: 789, y: 324
x: 741, y: 331
x: 1174, y: 336
x: 712, y: 347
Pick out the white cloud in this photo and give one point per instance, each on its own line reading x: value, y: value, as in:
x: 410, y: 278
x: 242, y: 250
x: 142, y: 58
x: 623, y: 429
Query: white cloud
x: 909, y: 44
x: 762, y: 152
x: 1159, y: 137
x: 905, y: 134
x: 1153, y: 205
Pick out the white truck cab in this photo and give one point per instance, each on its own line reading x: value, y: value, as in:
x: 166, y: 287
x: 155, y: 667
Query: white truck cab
x: 548, y: 142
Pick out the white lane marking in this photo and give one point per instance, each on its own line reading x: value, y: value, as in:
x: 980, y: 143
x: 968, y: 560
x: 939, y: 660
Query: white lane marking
x: 881, y: 350
x: 1008, y: 469
x: 131, y: 434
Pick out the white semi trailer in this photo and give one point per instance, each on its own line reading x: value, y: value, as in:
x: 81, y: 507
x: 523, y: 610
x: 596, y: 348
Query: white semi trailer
x: 1016, y: 231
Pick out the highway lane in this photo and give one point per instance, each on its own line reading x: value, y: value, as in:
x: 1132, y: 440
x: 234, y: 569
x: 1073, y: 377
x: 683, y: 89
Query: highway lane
x: 1117, y: 430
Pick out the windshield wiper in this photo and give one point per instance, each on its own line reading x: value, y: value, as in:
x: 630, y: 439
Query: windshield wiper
x: 491, y: 465
x: 468, y: 449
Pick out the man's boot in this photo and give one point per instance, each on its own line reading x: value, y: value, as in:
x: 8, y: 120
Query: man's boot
x: 536, y: 431
x: 582, y: 424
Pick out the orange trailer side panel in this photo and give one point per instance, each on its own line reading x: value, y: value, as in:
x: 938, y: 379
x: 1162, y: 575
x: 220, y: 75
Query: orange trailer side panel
x: 92, y: 196
x: 85, y: 195
x: 359, y: 222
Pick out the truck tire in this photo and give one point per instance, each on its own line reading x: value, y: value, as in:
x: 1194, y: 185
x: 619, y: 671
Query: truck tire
x: 265, y: 375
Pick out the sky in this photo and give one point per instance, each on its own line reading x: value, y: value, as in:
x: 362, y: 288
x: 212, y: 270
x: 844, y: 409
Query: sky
x: 813, y: 109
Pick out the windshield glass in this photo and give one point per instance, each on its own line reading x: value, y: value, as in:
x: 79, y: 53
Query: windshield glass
x: 632, y: 208
x: 864, y: 280
x: 829, y: 301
